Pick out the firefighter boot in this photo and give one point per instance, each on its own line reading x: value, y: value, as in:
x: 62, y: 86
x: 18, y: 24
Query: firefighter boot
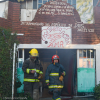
x: 35, y: 94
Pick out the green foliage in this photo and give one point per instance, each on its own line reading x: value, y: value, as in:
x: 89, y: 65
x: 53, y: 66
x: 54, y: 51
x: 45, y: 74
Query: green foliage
x: 22, y: 96
x: 97, y: 92
x: 6, y: 61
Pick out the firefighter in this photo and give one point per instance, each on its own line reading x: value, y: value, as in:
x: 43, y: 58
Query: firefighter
x: 33, y: 72
x: 54, y: 77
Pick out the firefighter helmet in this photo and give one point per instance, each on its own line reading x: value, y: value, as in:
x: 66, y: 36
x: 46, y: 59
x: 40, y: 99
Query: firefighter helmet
x: 55, y: 57
x: 34, y: 53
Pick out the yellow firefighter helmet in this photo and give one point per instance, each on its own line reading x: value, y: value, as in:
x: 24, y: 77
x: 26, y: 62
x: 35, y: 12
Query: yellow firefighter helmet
x: 34, y: 53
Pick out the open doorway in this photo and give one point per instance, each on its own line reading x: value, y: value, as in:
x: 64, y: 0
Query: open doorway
x: 68, y: 58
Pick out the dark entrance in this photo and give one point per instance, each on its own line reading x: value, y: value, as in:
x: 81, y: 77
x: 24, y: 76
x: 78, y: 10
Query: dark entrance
x: 68, y: 58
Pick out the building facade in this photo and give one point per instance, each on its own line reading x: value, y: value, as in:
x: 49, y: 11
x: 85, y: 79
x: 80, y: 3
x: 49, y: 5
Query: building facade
x: 69, y: 28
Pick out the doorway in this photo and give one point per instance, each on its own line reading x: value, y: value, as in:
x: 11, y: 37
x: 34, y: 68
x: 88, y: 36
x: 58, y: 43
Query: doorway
x: 68, y: 58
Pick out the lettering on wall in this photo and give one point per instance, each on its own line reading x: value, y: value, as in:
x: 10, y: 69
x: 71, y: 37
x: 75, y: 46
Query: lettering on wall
x: 57, y: 8
x: 56, y: 36
x: 78, y: 25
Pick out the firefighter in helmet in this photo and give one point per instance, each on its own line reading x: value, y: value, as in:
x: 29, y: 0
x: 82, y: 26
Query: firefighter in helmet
x: 33, y: 72
x: 54, y: 77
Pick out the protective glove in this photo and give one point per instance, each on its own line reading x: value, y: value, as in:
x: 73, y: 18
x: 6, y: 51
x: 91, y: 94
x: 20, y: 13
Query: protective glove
x: 40, y: 76
x: 61, y: 78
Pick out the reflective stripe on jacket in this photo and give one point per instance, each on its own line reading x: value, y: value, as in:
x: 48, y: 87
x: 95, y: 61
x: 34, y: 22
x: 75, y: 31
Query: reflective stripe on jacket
x: 28, y: 66
x: 52, y: 75
x: 31, y: 80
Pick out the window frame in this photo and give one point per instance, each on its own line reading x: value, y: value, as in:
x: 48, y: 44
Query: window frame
x: 83, y: 59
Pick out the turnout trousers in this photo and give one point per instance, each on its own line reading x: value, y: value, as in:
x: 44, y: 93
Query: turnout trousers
x: 32, y: 88
x: 56, y: 94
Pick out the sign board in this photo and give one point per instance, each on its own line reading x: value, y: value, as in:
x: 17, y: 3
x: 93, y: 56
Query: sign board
x: 56, y: 36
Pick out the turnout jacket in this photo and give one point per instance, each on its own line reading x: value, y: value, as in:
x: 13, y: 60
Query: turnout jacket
x: 52, y: 75
x: 29, y: 65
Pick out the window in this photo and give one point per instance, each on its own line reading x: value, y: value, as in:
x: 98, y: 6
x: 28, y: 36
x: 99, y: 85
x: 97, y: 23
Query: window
x: 20, y: 58
x: 41, y: 2
x: 27, y: 5
x: 33, y: 4
x: 72, y: 2
x: 20, y: 53
x: 86, y: 58
x: 95, y: 2
x: 23, y: 5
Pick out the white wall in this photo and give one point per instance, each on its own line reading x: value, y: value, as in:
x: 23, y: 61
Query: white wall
x: 98, y: 64
x: 27, y: 14
x: 4, y: 9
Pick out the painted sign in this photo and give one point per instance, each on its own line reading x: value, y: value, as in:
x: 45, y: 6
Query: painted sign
x: 85, y: 10
x: 56, y: 36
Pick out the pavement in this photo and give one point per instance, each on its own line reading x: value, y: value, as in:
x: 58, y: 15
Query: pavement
x: 74, y: 98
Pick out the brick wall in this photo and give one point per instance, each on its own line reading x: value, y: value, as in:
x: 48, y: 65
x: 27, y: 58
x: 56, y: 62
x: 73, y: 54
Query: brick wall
x: 32, y: 33
x: 7, y: 23
x: 97, y: 21
x: 3, y: 22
